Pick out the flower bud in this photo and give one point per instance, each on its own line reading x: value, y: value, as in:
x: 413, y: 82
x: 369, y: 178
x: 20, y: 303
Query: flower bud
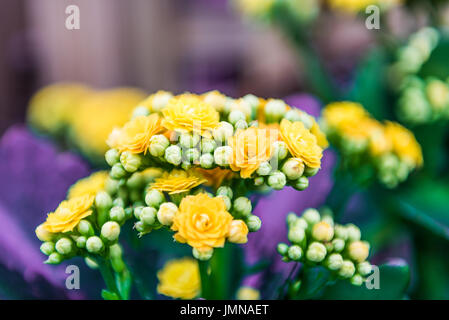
x: 347, y: 269
x: 277, y: 180
x: 81, y: 242
x: 54, y: 258
x: 241, y: 125
x: 173, y: 155
x: 137, y: 211
x: 42, y: 234
x: 316, y: 252
x: 264, y: 169
x: 291, y: 218
x: 140, y: 111
x: 158, y: 144
x: 118, y: 202
x: 222, y: 155
x: 294, y: 252
x: 274, y: 110
x: 311, y: 215
x: 223, y: 131
x: 296, y: 235
x: 293, y: 115
x: 322, y: 231
x: 227, y: 202
x: 91, y: 263
x: 111, y: 186
x: 353, y: 232
x: 357, y: 280
x: 103, y: 200
x: 187, y: 140
x: 47, y: 248
x: 358, y: 251
x: 253, y: 222
x: 142, y: 228
x: 166, y: 213
x: 243, y: 206
x: 341, y: 232
x: 130, y: 162
x: 338, y: 245
x: 160, y: 100
x: 154, y: 198
x: 259, y: 181
x: 235, y: 116
x: 117, y: 214
x: 334, y: 261
x: 247, y: 293
x: 110, y: 231
x: 299, y: 223
x: 94, y: 244
x: 238, y: 232
x: 293, y: 168
x: 115, y: 251
x: 364, y: 268
x: 64, y: 246
x: 112, y: 157
x: 85, y: 228
x: 148, y: 215
x: 301, y: 184
x: 203, y: 255
x: 208, y: 145
x: 207, y: 161
x: 282, y: 248
x: 280, y: 150
x: 310, y: 172
x: 117, y: 171
x: 192, y: 155
x: 225, y: 191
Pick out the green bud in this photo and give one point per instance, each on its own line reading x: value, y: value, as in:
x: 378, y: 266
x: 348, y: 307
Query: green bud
x: 187, y: 140
x: 160, y: 100
x: 117, y: 171
x: 334, y: 261
x: 291, y: 218
x: 202, y: 255
x: 241, y: 125
x: 277, y: 180
x: 140, y: 111
x: 280, y: 150
x: 207, y: 161
x: 158, y: 144
x: 81, y: 242
x: 208, y: 145
x: 259, y: 181
x: 293, y: 168
x: 118, y: 202
x: 166, y: 213
x: 252, y: 100
x: 357, y: 280
x: 115, y: 251
x: 222, y: 155
x: 91, y: 263
x: 293, y: 115
x: 110, y: 231
x: 192, y: 155
x: 47, y: 248
x: 294, y: 252
x: 235, y: 116
x: 142, y: 228
x: 301, y: 184
x: 282, y: 248
x: 274, y: 110
x: 112, y: 157
x: 64, y: 246
x: 340, y: 232
x: 103, y: 200
x: 135, y: 181
x: 223, y: 131
x: 364, y: 268
x: 130, y: 162
x: 299, y: 223
x: 137, y: 211
x: 148, y: 215
x: 310, y: 172
x: 264, y: 169
x: 338, y: 245
x: 94, y: 244
x: 129, y: 212
x: 117, y: 214
x: 253, y: 222
x: 173, y: 155
x: 225, y: 191
x: 227, y: 201
x: 54, y: 258
x: 85, y: 228
x: 316, y: 252
x: 353, y: 232
x: 312, y: 216
x: 243, y: 206
x: 347, y: 269
x: 296, y: 235
x: 154, y: 198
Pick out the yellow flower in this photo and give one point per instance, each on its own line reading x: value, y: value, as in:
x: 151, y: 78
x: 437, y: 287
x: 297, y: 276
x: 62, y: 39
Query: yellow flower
x: 238, y: 232
x: 250, y: 148
x: 344, y: 113
x: 90, y: 185
x: 215, y: 176
x: 68, y: 214
x: 215, y: 99
x: 301, y: 143
x: 178, y: 181
x: 180, y: 279
x: 135, y: 136
x: 202, y: 222
x: 187, y: 113
x: 320, y: 136
x: 404, y: 144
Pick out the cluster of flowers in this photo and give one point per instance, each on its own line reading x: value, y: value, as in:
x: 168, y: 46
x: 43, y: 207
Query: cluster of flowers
x: 317, y: 240
x: 388, y: 149
x: 69, y: 113
x: 420, y: 100
x: 354, y: 6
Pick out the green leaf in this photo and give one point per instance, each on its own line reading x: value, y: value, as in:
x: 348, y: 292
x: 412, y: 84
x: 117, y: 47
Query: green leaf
x: 394, y: 279
x: 108, y: 295
x: 313, y: 281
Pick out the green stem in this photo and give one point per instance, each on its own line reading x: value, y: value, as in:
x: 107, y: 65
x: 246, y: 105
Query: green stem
x: 205, y: 281
x: 108, y: 276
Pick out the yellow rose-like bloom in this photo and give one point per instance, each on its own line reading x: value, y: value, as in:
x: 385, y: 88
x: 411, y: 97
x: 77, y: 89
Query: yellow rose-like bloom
x: 189, y: 113
x: 135, y: 136
x: 215, y: 176
x: 180, y: 279
x: 342, y: 113
x: 90, y: 185
x: 250, y: 148
x: 68, y: 214
x: 404, y: 144
x: 202, y: 222
x: 319, y: 135
x: 238, y: 232
x: 301, y: 143
x: 178, y: 181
